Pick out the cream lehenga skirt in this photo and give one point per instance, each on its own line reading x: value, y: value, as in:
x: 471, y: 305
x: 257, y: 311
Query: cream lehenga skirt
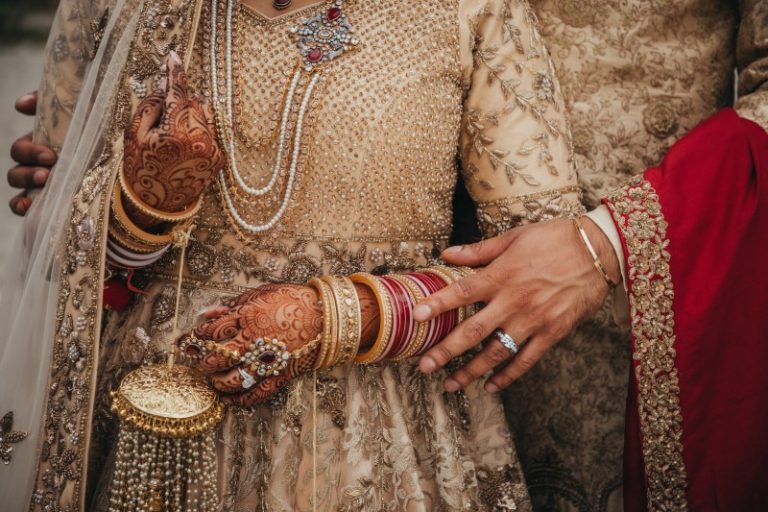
x: 388, y: 437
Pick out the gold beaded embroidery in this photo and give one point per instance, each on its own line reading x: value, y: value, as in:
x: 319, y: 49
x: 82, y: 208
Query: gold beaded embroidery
x: 638, y: 214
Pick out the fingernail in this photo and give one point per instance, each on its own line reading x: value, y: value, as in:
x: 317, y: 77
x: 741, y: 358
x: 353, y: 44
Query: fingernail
x: 40, y: 177
x: 422, y: 312
x: 22, y: 205
x: 451, y: 385
x: 163, y: 84
x: 454, y: 249
x: 491, y: 387
x: 428, y: 365
x: 46, y: 158
x: 174, y: 57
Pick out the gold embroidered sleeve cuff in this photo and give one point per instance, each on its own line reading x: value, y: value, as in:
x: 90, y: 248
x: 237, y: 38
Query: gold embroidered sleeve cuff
x: 496, y: 217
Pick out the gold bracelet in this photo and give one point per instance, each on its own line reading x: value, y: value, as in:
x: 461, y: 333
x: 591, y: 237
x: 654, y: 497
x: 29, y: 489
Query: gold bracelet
x: 154, y: 212
x: 124, y: 238
x: 335, y: 336
x: 385, y: 314
x: 327, y: 340
x: 421, y: 328
x: 349, y: 317
x: 595, y: 259
x: 120, y: 239
x: 127, y: 225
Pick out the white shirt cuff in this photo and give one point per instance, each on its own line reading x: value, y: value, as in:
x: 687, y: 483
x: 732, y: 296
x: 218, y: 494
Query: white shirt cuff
x: 602, y: 217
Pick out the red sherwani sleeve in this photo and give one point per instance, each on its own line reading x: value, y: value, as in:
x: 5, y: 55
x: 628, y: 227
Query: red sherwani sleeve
x: 695, y: 237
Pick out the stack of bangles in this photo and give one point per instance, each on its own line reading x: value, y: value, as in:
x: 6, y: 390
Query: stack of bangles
x: 399, y: 336
x: 130, y: 246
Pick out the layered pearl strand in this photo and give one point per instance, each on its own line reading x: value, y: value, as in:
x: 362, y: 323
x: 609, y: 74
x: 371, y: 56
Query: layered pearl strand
x: 231, y: 146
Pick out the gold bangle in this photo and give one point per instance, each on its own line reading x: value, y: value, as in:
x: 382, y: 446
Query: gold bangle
x: 385, y: 313
x: 349, y: 317
x: 156, y: 214
x: 120, y: 239
x: 335, y: 335
x: 124, y: 238
x: 127, y: 225
x: 595, y: 259
x: 326, y: 342
x: 421, y: 328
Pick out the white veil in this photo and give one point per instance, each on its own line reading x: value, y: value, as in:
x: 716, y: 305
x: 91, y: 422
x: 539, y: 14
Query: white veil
x: 28, y: 310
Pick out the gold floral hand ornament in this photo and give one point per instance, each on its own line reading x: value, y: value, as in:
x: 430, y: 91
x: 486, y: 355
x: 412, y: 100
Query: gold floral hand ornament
x: 269, y: 334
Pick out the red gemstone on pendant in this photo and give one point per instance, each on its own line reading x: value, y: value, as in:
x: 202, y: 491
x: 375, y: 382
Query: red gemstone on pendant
x: 315, y: 55
x: 192, y: 350
x: 334, y: 13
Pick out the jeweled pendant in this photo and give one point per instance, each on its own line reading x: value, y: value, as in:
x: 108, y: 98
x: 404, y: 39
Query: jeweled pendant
x: 325, y: 36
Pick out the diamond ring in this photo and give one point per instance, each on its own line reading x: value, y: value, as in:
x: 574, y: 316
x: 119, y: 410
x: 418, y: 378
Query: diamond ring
x: 248, y: 380
x: 507, y: 340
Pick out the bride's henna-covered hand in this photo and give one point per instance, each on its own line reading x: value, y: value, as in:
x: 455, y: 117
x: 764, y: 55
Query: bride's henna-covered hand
x: 170, y: 154
x: 289, y: 313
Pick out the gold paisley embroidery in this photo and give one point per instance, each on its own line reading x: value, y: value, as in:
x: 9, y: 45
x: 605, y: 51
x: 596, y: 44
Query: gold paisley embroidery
x: 638, y: 214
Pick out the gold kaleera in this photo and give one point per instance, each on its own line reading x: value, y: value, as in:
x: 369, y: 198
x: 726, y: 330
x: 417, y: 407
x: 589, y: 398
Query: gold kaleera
x: 166, y: 451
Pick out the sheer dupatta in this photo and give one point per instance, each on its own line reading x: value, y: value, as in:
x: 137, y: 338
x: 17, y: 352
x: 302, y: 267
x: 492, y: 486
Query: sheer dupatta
x: 51, y: 295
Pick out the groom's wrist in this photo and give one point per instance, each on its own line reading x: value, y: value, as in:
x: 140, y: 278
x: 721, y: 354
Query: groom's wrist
x: 604, y: 249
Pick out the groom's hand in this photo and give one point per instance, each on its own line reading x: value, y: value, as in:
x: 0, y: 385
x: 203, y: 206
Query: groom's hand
x: 538, y: 283
x: 34, y: 161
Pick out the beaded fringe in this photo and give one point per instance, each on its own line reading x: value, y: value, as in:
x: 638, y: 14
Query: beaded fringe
x: 158, y: 474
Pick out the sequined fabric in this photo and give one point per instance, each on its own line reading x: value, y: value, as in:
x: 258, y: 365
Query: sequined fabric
x: 430, y: 84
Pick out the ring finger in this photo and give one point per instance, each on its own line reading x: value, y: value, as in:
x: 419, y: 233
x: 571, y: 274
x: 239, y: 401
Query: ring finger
x: 528, y: 356
x: 236, y: 380
x: 491, y: 356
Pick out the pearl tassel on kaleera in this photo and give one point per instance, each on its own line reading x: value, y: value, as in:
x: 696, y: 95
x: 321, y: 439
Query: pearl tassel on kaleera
x: 166, y: 446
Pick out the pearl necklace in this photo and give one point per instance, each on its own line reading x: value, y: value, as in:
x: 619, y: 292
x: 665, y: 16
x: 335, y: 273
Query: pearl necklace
x: 314, y: 53
x: 229, y: 138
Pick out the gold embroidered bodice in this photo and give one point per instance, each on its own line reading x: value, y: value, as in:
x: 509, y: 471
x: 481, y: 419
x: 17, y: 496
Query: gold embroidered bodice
x: 432, y: 91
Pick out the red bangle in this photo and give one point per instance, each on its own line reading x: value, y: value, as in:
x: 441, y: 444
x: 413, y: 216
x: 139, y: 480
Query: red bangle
x: 445, y: 322
x: 453, y: 315
x: 403, y: 305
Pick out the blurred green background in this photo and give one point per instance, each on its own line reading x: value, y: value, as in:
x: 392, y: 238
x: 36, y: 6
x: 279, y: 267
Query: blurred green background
x: 25, y: 20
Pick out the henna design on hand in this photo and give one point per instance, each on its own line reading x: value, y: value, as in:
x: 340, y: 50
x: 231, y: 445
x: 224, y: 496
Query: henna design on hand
x: 171, y: 153
x: 290, y: 313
